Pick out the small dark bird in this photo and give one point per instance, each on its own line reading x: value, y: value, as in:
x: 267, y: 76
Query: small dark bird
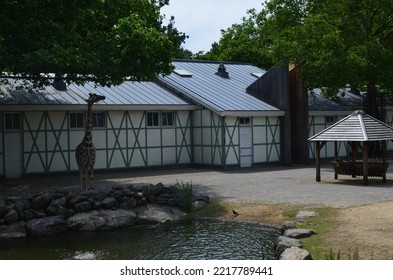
x: 235, y: 213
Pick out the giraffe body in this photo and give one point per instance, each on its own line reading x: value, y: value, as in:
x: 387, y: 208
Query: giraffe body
x: 85, y: 153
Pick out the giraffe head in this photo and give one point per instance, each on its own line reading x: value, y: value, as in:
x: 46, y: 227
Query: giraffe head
x: 94, y: 98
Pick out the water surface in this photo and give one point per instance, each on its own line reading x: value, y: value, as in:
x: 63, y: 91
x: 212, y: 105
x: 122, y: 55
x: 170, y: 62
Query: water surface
x: 186, y: 240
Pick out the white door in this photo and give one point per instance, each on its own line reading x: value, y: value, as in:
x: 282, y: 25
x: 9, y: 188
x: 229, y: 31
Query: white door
x: 13, y: 155
x: 245, y: 146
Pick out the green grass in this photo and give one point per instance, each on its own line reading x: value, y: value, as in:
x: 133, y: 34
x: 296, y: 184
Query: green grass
x: 322, y: 224
x: 214, y: 209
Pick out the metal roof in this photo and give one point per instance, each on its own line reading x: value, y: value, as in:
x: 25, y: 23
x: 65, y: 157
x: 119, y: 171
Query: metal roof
x: 357, y: 126
x: 131, y: 94
x: 317, y: 102
x: 225, y: 96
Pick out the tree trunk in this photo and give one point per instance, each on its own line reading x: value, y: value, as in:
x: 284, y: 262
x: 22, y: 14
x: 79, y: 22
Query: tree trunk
x: 372, y: 105
x: 372, y: 110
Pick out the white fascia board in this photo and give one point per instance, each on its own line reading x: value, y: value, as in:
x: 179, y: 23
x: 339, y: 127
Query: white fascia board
x: 262, y: 113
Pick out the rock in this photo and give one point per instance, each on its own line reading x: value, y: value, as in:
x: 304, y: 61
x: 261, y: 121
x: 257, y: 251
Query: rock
x: 306, y: 214
x: 299, y: 233
x: 284, y: 242
x: 42, y: 201
x: 82, y: 206
x: 101, y: 220
x: 3, y: 208
x: 295, y: 253
x: 287, y: 225
x: 199, y: 204
x: 19, y: 206
x: 27, y: 214
x: 46, y: 225
x: 163, y: 198
x: 131, y: 203
x: 153, y: 213
x: 14, y: 230
x: 108, y: 203
x: 19, y: 226
x: 77, y: 199
x: 11, y: 216
x: 201, y: 197
x: 159, y: 188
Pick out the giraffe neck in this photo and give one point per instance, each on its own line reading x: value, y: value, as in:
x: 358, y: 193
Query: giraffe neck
x: 89, y: 124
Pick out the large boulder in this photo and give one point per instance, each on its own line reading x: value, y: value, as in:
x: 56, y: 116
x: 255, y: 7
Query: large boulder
x: 108, y: 203
x: 306, y: 214
x: 299, y: 233
x: 11, y: 216
x: 295, y: 253
x: 14, y: 230
x: 153, y: 214
x: 284, y: 242
x: 287, y: 225
x: 42, y: 201
x: 101, y: 220
x: 46, y: 225
x: 3, y: 208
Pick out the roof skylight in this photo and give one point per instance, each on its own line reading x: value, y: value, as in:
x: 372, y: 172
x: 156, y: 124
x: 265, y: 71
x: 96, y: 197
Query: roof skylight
x: 182, y: 73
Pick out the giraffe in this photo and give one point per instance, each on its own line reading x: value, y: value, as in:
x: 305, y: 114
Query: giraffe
x: 85, y: 152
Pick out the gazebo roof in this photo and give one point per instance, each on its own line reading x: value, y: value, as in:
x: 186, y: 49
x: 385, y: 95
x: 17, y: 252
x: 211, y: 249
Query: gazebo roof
x: 357, y: 126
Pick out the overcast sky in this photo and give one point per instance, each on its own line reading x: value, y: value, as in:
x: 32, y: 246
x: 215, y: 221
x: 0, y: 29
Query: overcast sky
x: 202, y: 20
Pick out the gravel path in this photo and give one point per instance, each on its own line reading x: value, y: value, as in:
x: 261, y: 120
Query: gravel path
x: 278, y: 184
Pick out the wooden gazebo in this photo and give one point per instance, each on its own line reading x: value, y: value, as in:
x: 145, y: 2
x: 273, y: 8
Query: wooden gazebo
x: 358, y: 129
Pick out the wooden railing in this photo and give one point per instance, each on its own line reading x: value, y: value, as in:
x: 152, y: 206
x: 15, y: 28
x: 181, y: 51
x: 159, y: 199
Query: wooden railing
x: 375, y: 168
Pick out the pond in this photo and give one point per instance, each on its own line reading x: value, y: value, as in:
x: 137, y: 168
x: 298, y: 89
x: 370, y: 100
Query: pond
x: 194, y: 239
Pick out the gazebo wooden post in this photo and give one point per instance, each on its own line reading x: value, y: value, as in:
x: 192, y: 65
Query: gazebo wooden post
x: 318, y: 159
x: 384, y: 161
x: 335, y: 157
x: 365, y: 162
x: 354, y: 146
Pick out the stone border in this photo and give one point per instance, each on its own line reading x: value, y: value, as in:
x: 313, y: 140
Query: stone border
x: 289, y: 245
x: 53, y: 212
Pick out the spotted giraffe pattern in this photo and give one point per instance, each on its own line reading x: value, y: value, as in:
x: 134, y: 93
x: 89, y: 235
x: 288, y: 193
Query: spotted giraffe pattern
x: 85, y: 153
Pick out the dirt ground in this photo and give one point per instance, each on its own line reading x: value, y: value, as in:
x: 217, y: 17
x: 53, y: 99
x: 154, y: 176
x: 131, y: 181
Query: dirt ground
x: 368, y: 229
x: 364, y: 230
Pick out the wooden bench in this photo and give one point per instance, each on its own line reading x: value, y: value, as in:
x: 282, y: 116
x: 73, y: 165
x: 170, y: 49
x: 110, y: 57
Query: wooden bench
x: 375, y: 168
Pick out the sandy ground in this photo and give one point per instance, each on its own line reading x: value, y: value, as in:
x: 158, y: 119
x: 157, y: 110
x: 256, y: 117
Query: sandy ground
x: 367, y: 229
x: 363, y: 230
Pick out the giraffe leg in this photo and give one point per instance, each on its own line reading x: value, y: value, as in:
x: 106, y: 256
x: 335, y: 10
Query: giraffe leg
x: 81, y: 178
x: 84, y: 180
x: 91, y: 175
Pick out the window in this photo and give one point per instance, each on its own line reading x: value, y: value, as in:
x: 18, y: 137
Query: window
x: 99, y: 120
x: 245, y: 120
x: 167, y: 118
x: 152, y: 119
x: 76, y: 120
x: 329, y: 120
x: 12, y: 121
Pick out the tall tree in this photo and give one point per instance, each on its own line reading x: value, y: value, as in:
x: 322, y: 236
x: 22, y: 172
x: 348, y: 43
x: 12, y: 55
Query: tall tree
x: 342, y: 43
x: 244, y: 42
x: 339, y: 43
x: 101, y: 40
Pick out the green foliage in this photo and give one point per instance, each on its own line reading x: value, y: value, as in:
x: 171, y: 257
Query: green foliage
x: 338, y: 43
x: 104, y: 41
x: 186, y: 196
x: 332, y: 256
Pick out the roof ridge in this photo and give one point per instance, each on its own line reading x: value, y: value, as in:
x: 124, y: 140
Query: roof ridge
x: 212, y: 61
